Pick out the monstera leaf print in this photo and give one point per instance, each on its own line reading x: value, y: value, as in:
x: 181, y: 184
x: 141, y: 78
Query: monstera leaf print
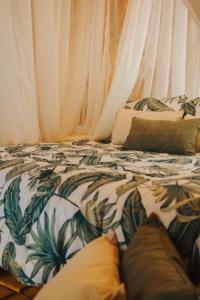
x: 133, y: 215
x: 50, y: 250
x: 9, y: 264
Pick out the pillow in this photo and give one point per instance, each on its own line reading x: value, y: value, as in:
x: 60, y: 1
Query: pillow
x: 152, y: 104
x: 91, y: 274
x: 178, y: 137
x: 194, y: 265
x: 148, y: 104
x: 152, y: 268
x: 176, y: 103
x: 124, y: 118
x: 193, y: 107
x: 189, y: 117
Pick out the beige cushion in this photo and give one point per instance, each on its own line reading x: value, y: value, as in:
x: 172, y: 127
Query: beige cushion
x: 124, y: 118
x: 91, y: 274
x: 163, y: 136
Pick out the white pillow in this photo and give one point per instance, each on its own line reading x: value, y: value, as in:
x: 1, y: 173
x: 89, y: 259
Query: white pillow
x: 188, y: 117
x: 124, y: 118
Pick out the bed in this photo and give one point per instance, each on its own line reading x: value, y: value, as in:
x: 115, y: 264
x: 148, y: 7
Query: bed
x: 55, y: 198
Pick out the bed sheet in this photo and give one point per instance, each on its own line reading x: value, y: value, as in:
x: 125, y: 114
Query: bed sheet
x: 55, y: 198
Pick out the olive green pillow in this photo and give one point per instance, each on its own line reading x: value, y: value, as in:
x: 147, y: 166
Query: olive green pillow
x: 176, y: 137
x: 151, y: 267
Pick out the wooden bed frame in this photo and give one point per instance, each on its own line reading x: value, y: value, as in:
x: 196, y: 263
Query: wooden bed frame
x: 12, y: 289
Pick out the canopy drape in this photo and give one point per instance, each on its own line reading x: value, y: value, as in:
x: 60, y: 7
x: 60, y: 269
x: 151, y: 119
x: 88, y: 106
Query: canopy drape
x: 68, y: 65
x: 194, y: 9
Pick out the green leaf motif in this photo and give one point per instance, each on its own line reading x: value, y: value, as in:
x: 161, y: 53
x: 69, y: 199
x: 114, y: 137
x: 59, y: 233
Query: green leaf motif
x: 91, y: 159
x: 12, y: 211
x: 140, y: 104
x: 152, y: 104
x: 101, y: 180
x: 16, y: 171
x: 84, y: 229
x: 18, y: 273
x: 9, y: 253
x: 98, y: 178
x: 169, y: 193
x: 189, y: 108
x: 38, y: 202
x: 99, y: 214
x: 133, y: 215
x: 10, y: 163
x: 14, y: 149
x: 50, y: 250
x: 9, y: 264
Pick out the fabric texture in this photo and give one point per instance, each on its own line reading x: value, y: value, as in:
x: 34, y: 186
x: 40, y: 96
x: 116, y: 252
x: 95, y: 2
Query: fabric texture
x: 91, y: 274
x: 194, y: 107
x: 189, y: 117
x: 152, y: 268
x: 68, y: 194
x: 83, y: 59
x: 178, y: 137
x: 178, y: 103
x: 194, y: 265
x: 124, y: 118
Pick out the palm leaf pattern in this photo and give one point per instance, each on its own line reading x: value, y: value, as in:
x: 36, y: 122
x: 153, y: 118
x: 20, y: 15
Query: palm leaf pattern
x: 56, y: 198
x: 133, y: 215
x: 49, y: 250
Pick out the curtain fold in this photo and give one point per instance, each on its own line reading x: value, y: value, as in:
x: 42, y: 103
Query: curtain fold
x: 68, y: 65
x: 18, y: 100
x: 131, y: 47
x: 51, y: 29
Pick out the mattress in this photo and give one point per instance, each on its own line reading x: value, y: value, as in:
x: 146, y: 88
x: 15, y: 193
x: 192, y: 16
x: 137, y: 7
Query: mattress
x: 56, y: 198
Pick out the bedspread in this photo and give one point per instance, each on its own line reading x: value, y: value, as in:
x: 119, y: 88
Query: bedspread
x: 55, y: 198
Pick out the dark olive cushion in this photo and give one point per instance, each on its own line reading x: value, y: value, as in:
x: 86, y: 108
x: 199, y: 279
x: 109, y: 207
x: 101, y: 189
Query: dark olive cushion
x: 194, y: 264
x: 151, y: 267
x: 176, y: 137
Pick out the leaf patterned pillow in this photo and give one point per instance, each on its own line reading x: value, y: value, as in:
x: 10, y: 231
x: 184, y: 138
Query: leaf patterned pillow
x: 176, y: 103
x: 148, y: 104
x: 152, y: 104
x: 193, y: 107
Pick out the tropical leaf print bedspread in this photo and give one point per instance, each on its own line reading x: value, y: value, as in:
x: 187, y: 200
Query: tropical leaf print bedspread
x: 55, y: 198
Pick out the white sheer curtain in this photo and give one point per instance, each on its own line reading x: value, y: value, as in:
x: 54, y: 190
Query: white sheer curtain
x: 169, y: 64
x: 66, y: 66
x: 128, y: 60
x: 18, y: 99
